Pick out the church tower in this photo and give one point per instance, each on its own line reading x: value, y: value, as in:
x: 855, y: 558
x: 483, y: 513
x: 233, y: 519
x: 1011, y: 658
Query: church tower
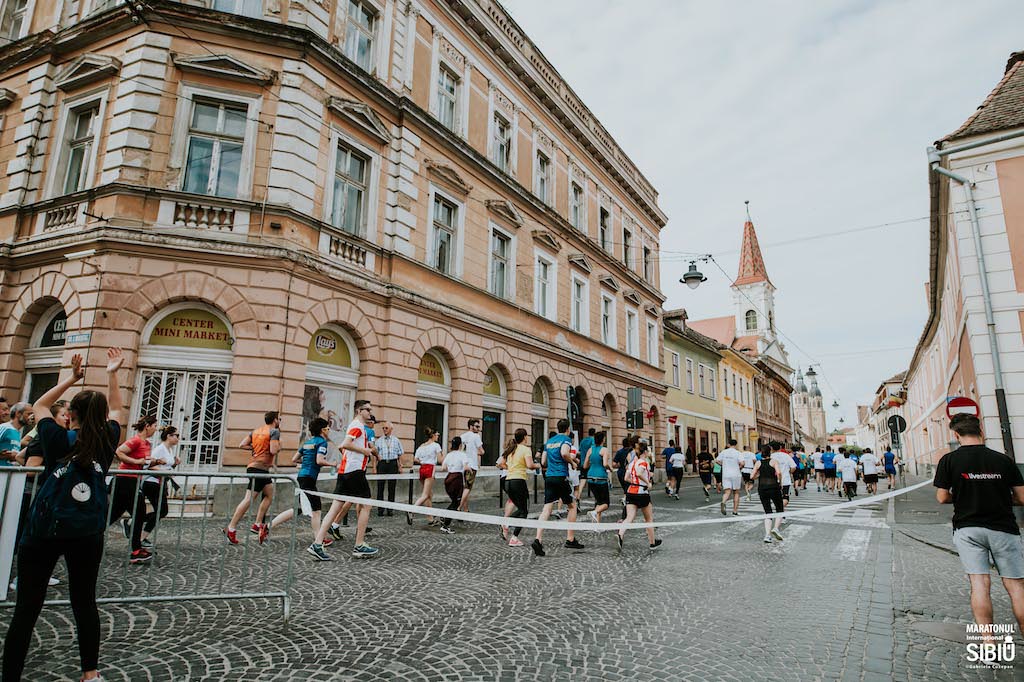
x: 753, y: 292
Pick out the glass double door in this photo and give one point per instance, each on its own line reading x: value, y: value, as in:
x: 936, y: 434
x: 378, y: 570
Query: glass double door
x: 193, y: 402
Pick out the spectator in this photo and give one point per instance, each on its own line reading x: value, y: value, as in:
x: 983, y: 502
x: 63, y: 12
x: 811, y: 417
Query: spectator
x: 10, y: 434
x: 389, y: 452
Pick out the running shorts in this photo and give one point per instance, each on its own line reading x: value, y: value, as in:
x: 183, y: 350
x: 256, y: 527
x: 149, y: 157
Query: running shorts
x: 353, y: 484
x: 557, y: 488
x: 871, y: 478
x: 256, y: 485
x: 426, y: 471
x: 309, y: 483
x: 638, y: 500
x: 890, y: 470
x: 819, y: 470
x: 574, y: 477
x: 732, y: 482
x: 718, y: 476
x: 830, y: 473
x: 600, y: 492
x: 785, y: 492
x: 768, y: 497
x: 677, y: 473
x: 746, y: 476
x: 470, y: 478
x: 454, y: 484
x: 852, y: 486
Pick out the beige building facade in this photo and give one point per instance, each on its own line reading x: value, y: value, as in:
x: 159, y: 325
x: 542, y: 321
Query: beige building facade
x: 294, y: 205
x: 738, y: 416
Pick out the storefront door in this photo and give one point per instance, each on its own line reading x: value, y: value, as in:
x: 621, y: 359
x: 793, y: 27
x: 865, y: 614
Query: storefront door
x: 492, y: 438
x: 194, y: 403
x: 538, y: 434
x: 432, y: 415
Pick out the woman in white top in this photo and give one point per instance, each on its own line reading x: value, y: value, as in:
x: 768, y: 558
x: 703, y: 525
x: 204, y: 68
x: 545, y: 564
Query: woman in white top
x: 455, y: 463
x: 155, y: 487
x: 426, y: 456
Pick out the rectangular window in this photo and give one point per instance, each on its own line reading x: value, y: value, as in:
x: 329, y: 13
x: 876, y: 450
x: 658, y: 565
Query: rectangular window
x: 500, y: 250
x: 632, y: 332
x: 502, y: 143
x: 734, y: 396
x: 689, y: 375
x: 580, y: 306
x: 349, y: 191
x: 701, y: 380
x: 359, y: 34
x: 445, y: 215
x: 81, y: 132
x: 714, y: 441
x: 675, y: 369
x: 652, y: 343
x: 543, y: 178
x: 603, y: 227
x: 544, y: 290
x: 576, y: 207
x: 447, y: 97
x: 215, y: 138
x: 725, y: 383
x: 607, y: 320
x: 712, y: 384
x: 648, y: 265
x: 627, y: 247
x: 248, y: 8
x: 13, y: 19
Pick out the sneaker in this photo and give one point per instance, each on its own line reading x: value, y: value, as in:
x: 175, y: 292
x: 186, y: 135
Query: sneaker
x: 537, y: 548
x: 592, y: 515
x: 768, y: 539
x: 618, y: 539
x: 232, y: 536
x: 318, y: 552
x: 706, y: 496
x: 735, y: 513
x: 776, y: 534
x: 447, y: 531
x: 558, y: 514
x: 432, y: 523
x: 264, y: 533
x: 140, y: 556
x: 722, y: 507
x: 146, y: 544
x: 749, y: 499
x: 254, y: 529
x: 515, y: 542
x: 408, y: 518
x: 364, y: 551
x: 328, y: 542
x: 676, y: 495
x: 126, y: 528
x: 573, y: 544
x: 335, y: 533
x: 503, y: 531
x: 657, y: 544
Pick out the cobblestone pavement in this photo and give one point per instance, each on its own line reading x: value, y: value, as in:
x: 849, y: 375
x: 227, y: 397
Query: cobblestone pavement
x: 833, y: 601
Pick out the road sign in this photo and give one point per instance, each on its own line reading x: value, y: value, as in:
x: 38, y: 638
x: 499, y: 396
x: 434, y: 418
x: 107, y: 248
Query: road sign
x: 897, y: 424
x: 962, y: 405
x: 634, y: 399
x: 634, y: 419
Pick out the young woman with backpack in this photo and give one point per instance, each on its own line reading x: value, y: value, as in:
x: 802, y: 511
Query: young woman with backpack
x: 68, y: 516
x: 768, y: 474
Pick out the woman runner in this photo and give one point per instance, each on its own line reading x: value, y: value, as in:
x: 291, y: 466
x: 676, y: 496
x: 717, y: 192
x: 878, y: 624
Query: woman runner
x: 597, y: 464
x: 518, y: 463
x: 125, y: 490
x: 638, y: 496
x: 768, y: 474
x: 426, y: 456
x: 891, y: 461
x: 455, y: 463
x: 310, y: 456
x: 154, y: 488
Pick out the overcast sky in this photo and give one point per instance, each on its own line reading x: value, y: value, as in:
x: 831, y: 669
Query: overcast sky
x: 819, y: 113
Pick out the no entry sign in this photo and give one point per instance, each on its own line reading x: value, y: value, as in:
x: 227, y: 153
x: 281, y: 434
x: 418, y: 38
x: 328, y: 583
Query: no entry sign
x: 961, y: 405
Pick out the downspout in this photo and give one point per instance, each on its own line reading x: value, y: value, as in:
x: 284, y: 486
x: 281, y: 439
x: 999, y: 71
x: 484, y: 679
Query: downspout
x: 935, y: 157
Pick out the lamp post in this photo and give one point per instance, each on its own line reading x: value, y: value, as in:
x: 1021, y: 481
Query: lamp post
x: 693, y: 277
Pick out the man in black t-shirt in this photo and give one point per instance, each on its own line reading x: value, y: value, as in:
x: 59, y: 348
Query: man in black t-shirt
x: 983, y: 485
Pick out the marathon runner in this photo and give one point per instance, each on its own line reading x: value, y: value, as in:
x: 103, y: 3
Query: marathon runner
x: 638, y: 497
x: 829, y: 467
x: 557, y: 457
x: 819, y: 468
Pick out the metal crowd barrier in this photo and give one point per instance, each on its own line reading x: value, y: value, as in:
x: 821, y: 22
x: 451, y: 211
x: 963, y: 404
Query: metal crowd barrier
x: 192, y: 559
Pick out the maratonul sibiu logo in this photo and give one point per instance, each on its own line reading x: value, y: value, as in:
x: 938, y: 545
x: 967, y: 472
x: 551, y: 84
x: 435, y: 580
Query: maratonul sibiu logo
x: 998, y: 652
x: 982, y: 477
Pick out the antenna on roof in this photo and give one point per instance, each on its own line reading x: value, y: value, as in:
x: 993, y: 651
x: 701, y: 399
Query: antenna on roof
x: 747, y: 203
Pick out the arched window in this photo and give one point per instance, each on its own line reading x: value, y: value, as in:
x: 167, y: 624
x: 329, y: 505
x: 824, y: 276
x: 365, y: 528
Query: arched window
x: 751, y: 320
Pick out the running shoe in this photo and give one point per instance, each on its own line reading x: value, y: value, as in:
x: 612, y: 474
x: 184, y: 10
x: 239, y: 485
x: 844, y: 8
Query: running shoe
x: 126, y: 528
x: 335, y: 533
x: 749, y: 499
x: 592, y: 515
x: 618, y: 539
x: 676, y: 495
x: 574, y: 544
x: 447, y: 531
x: 431, y: 523
x: 768, y: 539
x: 503, y: 531
x: 328, y: 542
x: 264, y: 532
x: 364, y: 551
x: 706, y: 496
x: 515, y: 542
x: 318, y: 552
x: 776, y: 534
x: 140, y: 556
x: 146, y: 544
x: 408, y: 518
x: 657, y: 544
x: 232, y: 536
x: 722, y: 507
x: 537, y: 548
x: 735, y: 513
x: 254, y: 529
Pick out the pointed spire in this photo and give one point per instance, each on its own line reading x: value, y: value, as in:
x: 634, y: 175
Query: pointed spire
x: 751, y: 261
x: 801, y: 387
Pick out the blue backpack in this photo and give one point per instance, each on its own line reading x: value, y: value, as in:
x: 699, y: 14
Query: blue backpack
x: 71, y: 503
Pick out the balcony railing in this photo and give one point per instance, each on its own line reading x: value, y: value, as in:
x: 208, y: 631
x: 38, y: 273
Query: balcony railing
x: 346, y: 249
x: 61, y: 217
x: 203, y: 216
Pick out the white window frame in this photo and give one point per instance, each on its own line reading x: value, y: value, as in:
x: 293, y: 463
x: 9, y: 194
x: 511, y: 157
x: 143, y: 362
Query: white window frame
x: 548, y: 177
x: 373, y: 166
x: 604, y: 240
x: 689, y: 376
x: 712, y: 384
x: 652, y: 341
x: 240, y: 4
x: 26, y: 19
x: 375, y: 31
x: 577, y: 210
x: 498, y: 119
x: 551, y: 295
x: 459, y: 237
x: 609, y: 338
x: 462, y: 88
x: 70, y: 107
x: 702, y: 379
x: 648, y: 264
x: 187, y: 94
x: 580, y: 323
x: 510, y: 263
x: 676, y: 378
x: 633, y: 334
x: 627, y: 245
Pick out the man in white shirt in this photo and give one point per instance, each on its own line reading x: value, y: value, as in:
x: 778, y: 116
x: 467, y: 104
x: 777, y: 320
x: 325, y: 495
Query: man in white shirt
x: 819, y: 468
x: 749, y: 460
x: 869, y: 466
x: 838, y: 462
x: 474, y: 445
x: 847, y: 470
x: 787, y: 465
x: 731, y: 460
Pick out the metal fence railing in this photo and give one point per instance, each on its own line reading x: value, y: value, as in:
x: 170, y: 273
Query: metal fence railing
x: 192, y: 559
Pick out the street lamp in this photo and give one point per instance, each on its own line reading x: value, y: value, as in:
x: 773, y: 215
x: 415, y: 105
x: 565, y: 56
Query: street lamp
x: 835, y: 404
x: 693, y: 276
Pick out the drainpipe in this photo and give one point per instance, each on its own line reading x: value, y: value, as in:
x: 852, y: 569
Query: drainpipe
x: 934, y: 157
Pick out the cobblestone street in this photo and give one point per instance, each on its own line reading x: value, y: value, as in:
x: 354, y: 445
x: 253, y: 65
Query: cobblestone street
x: 837, y: 600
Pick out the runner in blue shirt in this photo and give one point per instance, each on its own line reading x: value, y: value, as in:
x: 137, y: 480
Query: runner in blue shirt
x: 890, y: 467
x: 670, y: 482
x: 585, y: 446
x: 310, y: 456
x: 828, y: 459
x: 557, y: 457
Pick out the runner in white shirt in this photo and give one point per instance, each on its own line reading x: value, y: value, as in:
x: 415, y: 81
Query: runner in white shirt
x: 456, y: 463
x: 819, y: 468
x: 749, y: 460
x: 787, y: 465
x: 731, y: 460
x: 426, y: 456
x: 154, y: 487
x: 847, y: 470
x: 678, y: 462
x: 838, y: 462
x: 869, y: 464
x: 474, y: 446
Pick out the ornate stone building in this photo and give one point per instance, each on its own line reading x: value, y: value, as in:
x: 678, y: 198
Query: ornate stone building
x: 289, y: 205
x: 809, y: 412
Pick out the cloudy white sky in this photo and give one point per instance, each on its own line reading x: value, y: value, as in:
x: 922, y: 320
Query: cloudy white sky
x: 819, y: 113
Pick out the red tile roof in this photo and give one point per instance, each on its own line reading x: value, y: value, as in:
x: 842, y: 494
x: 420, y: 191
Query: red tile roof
x: 749, y: 343
x: 1004, y: 106
x: 751, y: 262
x: 721, y: 329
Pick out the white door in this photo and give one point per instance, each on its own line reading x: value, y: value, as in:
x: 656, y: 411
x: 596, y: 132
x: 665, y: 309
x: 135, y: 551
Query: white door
x: 194, y: 402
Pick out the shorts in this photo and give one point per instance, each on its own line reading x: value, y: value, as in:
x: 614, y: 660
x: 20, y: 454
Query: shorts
x: 705, y: 479
x: 353, y: 484
x: 599, y: 489
x: 785, y: 492
x: 980, y: 548
x: 426, y: 471
x: 871, y: 478
x: 746, y: 476
x: 638, y: 500
x: 769, y: 496
x: 677, y: 473
x: 557, y: 488
x: 830, y: 473
x: 574, y: 477
x: 850, y: 486
x: 256, y: 485
x: 454, y: 484
x: 718, y: 476
x: 470, y: 478
x: 309, y: 483
x: 732, y: 482
x: 890, y: 470
x: 819, y: 472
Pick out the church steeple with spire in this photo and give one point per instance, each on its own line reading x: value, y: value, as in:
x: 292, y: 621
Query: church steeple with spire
x: 753, y: 292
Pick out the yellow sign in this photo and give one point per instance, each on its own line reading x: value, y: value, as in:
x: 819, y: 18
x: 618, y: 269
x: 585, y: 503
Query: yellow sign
x: 431, y: 370
x: 192, y: 328
x: 492, y: 386
x: 328, y: 347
